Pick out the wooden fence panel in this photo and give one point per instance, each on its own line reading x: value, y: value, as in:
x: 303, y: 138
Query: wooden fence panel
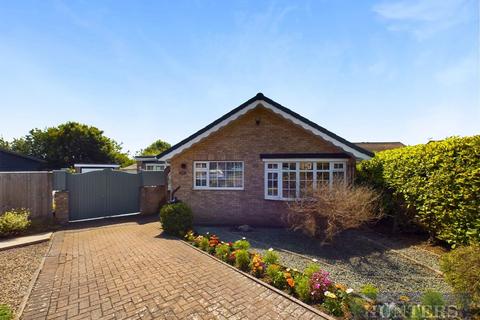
x: 31, y: 190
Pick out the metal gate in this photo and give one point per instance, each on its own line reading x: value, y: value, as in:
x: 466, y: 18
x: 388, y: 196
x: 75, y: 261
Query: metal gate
x: 102, y: 193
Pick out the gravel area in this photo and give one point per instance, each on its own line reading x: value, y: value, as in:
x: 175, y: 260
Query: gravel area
x: 353, y: 258
x: 17, y: 267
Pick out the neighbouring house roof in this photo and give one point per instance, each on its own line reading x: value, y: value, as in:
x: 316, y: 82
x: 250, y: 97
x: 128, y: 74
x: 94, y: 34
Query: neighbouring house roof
x: 379, y: 146
x: 277, y: 108
x: 130, y: 167
x: 148, y: 159
x: 22, y: 155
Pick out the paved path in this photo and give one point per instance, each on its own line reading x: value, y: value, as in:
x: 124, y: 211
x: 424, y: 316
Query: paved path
x: 24, y: 241
x: 131, y: 271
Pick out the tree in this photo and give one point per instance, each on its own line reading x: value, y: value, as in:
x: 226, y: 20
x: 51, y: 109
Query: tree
x: 155, y: 148
x: 4, y: 143
x: 70, y: 143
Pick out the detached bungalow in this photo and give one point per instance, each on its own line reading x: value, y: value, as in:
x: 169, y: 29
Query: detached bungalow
x: 241, y: 168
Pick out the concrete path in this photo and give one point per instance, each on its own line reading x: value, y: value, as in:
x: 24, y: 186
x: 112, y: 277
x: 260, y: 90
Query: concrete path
x: 24, y: 241
x: 132, y: 271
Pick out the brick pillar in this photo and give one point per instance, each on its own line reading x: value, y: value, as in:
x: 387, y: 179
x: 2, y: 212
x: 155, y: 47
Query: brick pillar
x: 152, y: 199
x: 61, y: 206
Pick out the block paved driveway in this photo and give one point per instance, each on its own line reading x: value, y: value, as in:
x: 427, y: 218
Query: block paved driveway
x: 130, y: 271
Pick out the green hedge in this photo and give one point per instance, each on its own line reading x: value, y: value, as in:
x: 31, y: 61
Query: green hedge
x: 439, y: 181
x: 176, y: 218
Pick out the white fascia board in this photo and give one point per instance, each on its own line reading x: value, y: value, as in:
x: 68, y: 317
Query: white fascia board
x: 92, y: 165
x: 285, y: 115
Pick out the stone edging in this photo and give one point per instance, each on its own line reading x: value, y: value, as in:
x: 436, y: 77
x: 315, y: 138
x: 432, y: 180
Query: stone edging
x: 266, y: 285
x: 19, y: 312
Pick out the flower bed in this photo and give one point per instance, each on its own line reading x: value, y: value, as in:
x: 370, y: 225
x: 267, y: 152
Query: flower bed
x: 312, y: 285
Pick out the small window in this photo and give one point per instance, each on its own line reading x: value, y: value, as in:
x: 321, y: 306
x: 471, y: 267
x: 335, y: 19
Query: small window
x: 218, y: 175
x: 154, y: 167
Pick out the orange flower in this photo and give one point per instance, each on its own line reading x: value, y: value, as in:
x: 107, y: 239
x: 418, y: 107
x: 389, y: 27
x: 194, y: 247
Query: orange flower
x: 340, y: 286
x: 291, y: 282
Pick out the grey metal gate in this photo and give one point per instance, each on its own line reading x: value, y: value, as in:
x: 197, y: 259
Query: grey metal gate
x: 102, y: 193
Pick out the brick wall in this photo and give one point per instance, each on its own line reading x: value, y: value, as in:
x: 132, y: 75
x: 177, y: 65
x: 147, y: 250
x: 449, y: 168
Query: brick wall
x: 61, y: 206
x: 152, y: 198
x: 244, y: 140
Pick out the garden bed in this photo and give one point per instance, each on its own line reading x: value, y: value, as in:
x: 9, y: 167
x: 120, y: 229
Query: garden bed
x: 313, y: 284
x: 350, y: 258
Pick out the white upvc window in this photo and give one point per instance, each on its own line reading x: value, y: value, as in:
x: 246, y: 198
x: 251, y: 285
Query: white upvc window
x: 154, y: 167
x: 218, y: 175
x: 288, y: 179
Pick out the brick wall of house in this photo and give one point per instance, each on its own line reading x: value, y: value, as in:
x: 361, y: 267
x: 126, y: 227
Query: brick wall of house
x: 244, y: 140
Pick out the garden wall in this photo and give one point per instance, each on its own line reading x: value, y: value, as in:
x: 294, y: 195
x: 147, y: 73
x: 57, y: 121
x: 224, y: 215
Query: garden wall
x: 30, y: 190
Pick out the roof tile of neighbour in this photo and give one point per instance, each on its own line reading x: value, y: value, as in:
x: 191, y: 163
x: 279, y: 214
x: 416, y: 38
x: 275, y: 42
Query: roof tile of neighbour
x: 379, y: 146
x: 260, y: 98
x: 22, y: 155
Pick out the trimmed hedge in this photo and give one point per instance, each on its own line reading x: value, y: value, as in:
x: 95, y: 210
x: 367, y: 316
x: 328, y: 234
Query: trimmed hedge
x: 438, y: 181
x: 176, y: 218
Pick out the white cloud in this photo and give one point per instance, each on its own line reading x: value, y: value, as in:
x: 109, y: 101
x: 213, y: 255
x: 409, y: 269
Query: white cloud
x: 424, y: 18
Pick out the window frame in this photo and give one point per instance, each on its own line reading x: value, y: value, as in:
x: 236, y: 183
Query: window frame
x: 279, y: 171
x: 161, y: 166
x: 207, y: 170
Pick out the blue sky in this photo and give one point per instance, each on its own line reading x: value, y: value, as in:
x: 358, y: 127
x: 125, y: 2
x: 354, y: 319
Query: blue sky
x: 141, y: 70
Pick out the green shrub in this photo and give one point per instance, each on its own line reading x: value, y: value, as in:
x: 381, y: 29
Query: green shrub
x: 432, y: 298
x: 14, y: 221
x: 242, y: 259
x: 276, y: 276
x: 222, y: 251
x: 369, y: 291
x: 437, y: 182
x: 311, y: 269
x: 241, y: 245
x: 270, y: 257
x: 461, y: 268
x: 5, y: 312
x: 176, y: 218
x: 333, y: 306
x: 302, y: 287
x: 204, y: 244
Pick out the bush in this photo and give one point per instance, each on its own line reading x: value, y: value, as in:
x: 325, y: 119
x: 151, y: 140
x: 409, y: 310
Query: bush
x: 302, y: 287
x: 330, y: 210
x: 461, y: 268
x: 369, y: 291
x: 222, y: 251
x: 241, y: 245
x: 311, y: 269
x: 436, y: 182
x: 176, y: 218
x: 242, y: 259
x: 270, y: 257
x: 276, y: 276
x: 432, y: 298
x: 5, y: 312
x: 14, y: 221
x: 204, y: 243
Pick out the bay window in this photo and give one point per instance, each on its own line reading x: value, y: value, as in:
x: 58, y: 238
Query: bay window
x: 218, y: 175
x: 290, y: 179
